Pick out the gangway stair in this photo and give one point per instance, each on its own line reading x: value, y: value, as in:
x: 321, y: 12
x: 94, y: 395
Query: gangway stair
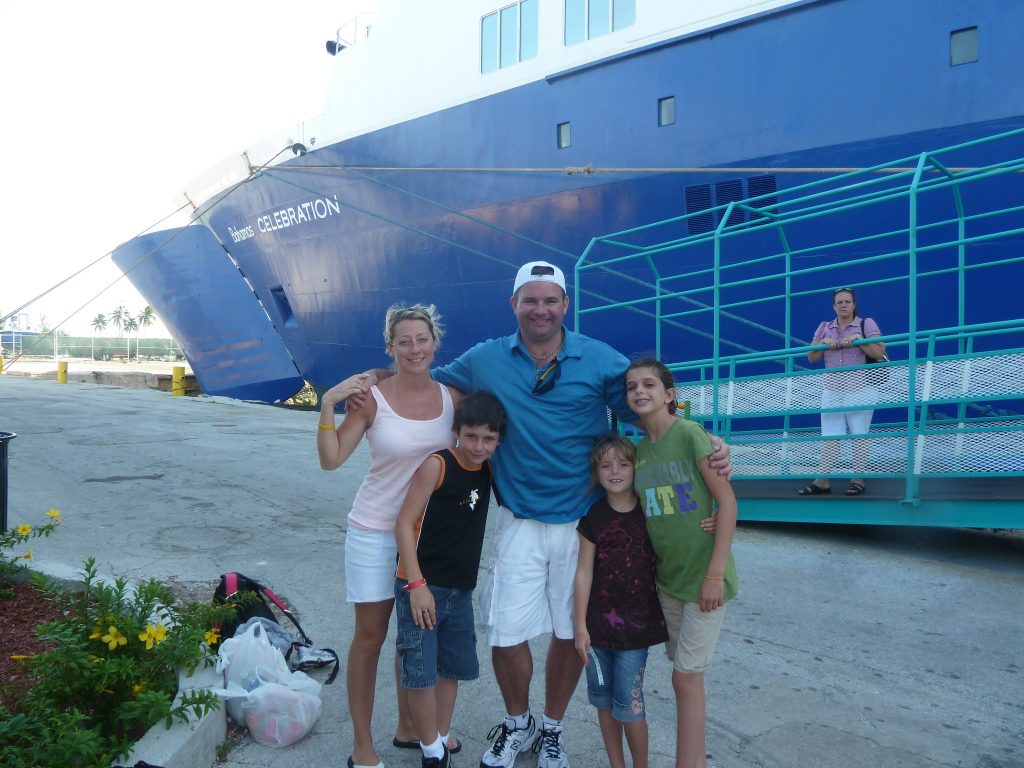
x: 935, y: 245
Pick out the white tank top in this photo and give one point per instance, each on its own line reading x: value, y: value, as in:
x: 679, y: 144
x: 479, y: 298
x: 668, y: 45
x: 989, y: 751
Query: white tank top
x: 397, y: 448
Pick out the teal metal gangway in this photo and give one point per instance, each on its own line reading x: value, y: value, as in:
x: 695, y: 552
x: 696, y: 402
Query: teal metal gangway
x: 940, y: 238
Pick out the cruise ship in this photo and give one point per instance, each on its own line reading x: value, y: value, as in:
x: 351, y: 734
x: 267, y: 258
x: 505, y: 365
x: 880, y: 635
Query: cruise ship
x: 463, y: 139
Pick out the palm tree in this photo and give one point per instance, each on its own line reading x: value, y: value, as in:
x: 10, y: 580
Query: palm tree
x: 99, y: 324
x: 130, y: 325
x: 146, y: 318
x: 118, y: 317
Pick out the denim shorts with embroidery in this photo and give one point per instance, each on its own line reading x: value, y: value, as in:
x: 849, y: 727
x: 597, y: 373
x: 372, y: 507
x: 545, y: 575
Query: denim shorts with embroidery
x: 615, y: 681
x: 448, y: 650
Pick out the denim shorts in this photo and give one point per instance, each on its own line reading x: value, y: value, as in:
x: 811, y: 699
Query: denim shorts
x: 615, y: 681
x: 448, y: 650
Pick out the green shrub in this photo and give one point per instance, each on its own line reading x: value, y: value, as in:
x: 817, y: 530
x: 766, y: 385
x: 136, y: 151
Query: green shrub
x: 110, y: 674
x: 12, y: 565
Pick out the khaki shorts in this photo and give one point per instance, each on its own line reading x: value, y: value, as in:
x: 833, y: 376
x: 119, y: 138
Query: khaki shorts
x: 528, y: 588
x: 692, y: 633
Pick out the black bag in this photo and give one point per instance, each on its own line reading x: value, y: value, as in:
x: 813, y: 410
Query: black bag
x: 250, y: 598
x: 879, y: 375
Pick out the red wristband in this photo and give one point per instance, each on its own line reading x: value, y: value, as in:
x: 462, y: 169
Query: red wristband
x: 414, y: 585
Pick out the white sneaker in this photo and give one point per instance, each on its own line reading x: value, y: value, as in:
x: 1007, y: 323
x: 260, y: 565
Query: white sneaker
x: 508, y: 744
x: 552, y: 754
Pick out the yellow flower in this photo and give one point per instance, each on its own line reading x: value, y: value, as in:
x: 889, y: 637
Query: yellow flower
x: 212, y: 636
x: 54, y: 514
x: 114, y: 638
x: 138, y: 688
x: 28, y: 554
x: 24, y: 529
x: 100, y: 624
x: 155, y: 633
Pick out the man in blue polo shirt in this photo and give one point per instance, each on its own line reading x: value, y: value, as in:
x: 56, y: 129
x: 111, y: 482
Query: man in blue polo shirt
x: 556, y: 387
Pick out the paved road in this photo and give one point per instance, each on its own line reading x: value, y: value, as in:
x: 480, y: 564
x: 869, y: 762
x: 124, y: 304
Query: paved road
x: 848, y: 646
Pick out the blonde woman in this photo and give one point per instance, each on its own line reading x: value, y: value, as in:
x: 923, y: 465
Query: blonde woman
x: 406, y: 417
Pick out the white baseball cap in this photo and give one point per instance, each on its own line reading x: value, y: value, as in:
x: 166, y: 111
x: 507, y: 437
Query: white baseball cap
x: 539, y: 271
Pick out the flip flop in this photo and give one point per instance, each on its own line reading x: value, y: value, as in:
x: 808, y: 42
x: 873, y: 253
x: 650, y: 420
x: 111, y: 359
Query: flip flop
x: 415, y: 744
x: 855, y: 489
x: 814, y: 490
x: 352, y: 764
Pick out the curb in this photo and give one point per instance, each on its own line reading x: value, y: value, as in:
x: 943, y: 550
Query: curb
x: 185, y: 745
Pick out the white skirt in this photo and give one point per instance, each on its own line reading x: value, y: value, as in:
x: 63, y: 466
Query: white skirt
x: 371, y: 558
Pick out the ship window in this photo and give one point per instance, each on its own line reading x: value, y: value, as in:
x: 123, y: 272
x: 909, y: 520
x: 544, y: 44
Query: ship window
x: 963, y: 46
x: 489, y: 43
x: 508, y: 36
x: 564, y: 135
x: 528, y: 29
x: 667, y: 110
x: 599, y: 21
x: 623, y: 14
x: 509, y: 25
x: 586, y: 19
x: 698, y: 198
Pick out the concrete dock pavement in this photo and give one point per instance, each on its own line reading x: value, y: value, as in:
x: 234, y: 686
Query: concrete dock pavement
x: 848, y: 646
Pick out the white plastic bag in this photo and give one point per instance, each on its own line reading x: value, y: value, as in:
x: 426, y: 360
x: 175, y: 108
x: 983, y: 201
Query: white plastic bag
x: 278, y: 636
x: 279, y: 715
x: 248, y: 661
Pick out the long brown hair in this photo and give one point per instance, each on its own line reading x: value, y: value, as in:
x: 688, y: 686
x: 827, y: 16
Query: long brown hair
x: 660, y: 370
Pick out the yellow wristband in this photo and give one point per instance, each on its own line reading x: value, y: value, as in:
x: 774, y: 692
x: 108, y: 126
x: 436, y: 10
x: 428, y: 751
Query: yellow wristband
x: 714, y: 578
x: 326, y: 426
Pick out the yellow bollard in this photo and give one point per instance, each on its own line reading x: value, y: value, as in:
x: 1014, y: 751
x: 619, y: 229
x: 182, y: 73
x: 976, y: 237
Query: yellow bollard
x: 178, y: 380
x: 62, y: 371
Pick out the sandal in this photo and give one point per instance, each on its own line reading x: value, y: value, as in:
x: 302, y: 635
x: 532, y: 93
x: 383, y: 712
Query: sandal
x: 855, y: 489
x: 812, y: 489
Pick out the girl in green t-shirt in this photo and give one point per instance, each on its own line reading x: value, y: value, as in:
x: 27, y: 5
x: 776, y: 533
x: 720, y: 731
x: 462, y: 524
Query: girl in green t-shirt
x: 695, y: 573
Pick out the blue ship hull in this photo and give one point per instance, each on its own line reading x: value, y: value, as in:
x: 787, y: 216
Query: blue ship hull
x: 227, y: 334
x: 445, y: 207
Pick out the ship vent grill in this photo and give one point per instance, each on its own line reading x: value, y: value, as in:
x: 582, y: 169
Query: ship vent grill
x: 698, y: 198
x: 729, y: 191
x: 761, y: 185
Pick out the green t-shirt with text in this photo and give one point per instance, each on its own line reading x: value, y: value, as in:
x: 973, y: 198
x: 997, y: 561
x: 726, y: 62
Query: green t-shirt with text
x: 674, y: 498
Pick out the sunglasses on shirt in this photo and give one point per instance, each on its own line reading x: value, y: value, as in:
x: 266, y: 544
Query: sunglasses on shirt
x: 546, y: 377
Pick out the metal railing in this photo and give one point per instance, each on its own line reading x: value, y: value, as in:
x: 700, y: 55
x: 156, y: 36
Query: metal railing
x: 917, y: 231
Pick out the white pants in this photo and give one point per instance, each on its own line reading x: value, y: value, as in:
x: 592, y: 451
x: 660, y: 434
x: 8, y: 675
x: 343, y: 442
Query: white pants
x: 852, y: 422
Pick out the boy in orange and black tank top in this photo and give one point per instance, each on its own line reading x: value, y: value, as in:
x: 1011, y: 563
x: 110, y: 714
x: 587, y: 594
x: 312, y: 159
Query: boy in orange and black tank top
x: 440, y: 535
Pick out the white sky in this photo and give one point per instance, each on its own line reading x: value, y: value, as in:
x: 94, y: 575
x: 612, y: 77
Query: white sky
x: 111, y: 108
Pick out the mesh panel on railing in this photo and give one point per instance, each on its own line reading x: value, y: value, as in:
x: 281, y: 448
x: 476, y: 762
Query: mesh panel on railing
x: 766, y: 455
x: 940, y: 448
x: 989, y: 376
x: 947, y: 449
